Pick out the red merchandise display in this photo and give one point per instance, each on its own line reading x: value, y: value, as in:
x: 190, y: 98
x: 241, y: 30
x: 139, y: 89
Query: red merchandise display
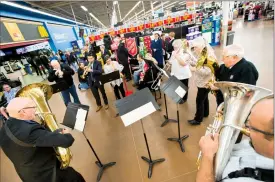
x: 147, y: 43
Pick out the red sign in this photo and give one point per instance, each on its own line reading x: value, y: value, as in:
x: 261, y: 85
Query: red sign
x: 132, y: 46
x: 92, y: 38
x: 140, y: 27
x: 160, y: 23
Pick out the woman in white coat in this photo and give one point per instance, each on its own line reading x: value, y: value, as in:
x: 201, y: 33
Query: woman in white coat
x: 180, y: 66
x: 110, y: 67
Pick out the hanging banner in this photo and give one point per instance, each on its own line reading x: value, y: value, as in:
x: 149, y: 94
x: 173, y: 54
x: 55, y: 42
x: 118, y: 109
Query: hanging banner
x: 14, y: 31
x: 131, y: 46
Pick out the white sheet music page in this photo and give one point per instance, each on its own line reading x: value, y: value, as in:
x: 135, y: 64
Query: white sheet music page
x: 80, y: 120
x: 138, y: 113
x: 180, y: 91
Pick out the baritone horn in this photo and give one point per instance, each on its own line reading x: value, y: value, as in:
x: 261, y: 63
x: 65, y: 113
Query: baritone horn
x: 40, y: 93
x: 230, y: 117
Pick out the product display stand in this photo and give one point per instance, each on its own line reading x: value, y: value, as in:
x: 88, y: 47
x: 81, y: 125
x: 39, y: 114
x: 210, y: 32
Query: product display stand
x: 75, y: 118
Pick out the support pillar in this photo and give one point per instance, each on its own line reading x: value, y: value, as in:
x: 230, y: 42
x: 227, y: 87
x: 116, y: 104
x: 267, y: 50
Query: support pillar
x: 225, y: 15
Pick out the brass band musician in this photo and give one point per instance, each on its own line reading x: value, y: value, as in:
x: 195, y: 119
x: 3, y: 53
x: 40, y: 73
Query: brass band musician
x: 29, y: 145
x: 204, y: 71
x: 252, y: 160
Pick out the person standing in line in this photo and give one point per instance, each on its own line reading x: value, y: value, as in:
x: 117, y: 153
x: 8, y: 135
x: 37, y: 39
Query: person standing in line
x: 110, y: 67
x: 104, y: 53
x: 38, y: 62
x: 63, y: 73
x: 180, y: 67
x: 45, y: 61
x: 164, y: 49
x: 9, y: 94
x: 156, y: 46
x: 95, y: 71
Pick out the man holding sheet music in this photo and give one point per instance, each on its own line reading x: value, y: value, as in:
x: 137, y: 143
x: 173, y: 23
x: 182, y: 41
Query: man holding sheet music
x: 95, y: 71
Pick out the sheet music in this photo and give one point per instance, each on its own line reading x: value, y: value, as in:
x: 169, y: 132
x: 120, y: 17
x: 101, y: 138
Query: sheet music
x: 138, y: 114
x: 80, y: 119
x: 180, y: 91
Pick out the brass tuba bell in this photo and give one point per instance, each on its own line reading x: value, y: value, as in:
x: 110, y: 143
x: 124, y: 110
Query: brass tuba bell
x: 230, y: 117
x: 40, y: 93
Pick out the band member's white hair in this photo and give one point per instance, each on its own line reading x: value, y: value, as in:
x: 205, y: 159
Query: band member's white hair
x: 234, y: 50
x: 178, y: 43
x: 201, y: 43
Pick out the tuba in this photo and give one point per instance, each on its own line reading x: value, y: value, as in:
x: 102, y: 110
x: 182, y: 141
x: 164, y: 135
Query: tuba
x: 230, y: 117
x: 40, y: 93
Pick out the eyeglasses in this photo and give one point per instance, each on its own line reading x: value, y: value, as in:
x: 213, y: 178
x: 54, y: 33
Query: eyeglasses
x: 33, y: 107
x: 258, y: 130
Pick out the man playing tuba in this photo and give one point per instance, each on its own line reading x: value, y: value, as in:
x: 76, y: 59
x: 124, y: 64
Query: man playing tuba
x: 29, y: 145
x: 252, y: 160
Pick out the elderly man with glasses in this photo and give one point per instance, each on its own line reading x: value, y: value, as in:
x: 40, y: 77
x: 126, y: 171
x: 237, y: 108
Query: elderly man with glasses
x: 29, y: 145
x: 252, y: 159
x: 235, y: 69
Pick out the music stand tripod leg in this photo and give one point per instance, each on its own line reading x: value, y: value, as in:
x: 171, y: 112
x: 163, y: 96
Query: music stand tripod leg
x: 166, y: 117
x: 149, y: 161
x: 101, y: 166
x: 179, y: 139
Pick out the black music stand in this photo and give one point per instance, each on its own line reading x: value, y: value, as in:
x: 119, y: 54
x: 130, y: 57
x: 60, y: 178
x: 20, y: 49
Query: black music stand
x: 134, y: 108
x: 105, y: 78
x: 166, y: 117
x: 73, y: 121
x: 176, y: 90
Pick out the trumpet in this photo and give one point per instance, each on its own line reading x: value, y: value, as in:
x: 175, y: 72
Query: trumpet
x: 160, y: 74
x: 85, y: 73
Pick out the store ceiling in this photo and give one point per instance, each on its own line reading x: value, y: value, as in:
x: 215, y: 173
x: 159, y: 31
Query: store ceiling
x: 102, y: 10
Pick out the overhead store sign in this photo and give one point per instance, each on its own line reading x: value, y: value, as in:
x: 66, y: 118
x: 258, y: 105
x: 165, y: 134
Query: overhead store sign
x: 14, y: 31
x: 43, y: 45
x: 141, y: 26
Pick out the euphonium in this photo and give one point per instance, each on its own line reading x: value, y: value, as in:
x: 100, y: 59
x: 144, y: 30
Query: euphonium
x: 85, y: 73
x: 40, y: 93
x: 230, y: 117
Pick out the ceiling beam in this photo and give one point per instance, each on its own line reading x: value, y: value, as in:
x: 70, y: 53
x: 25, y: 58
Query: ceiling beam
x: 55, y: 5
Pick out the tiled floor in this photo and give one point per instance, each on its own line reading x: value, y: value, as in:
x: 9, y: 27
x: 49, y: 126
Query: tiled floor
x: 125, y: 145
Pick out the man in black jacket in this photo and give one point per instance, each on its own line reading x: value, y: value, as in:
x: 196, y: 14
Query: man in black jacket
x: 170, y: 47
x: 29, y: 145
x: 235, y: 69
x: 95, y: 71
x: 63, y: 73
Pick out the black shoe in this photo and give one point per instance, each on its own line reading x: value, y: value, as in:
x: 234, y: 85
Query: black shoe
x: 194, y: 122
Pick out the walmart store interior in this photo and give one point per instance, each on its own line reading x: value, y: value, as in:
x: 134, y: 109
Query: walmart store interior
x: 136, y: 91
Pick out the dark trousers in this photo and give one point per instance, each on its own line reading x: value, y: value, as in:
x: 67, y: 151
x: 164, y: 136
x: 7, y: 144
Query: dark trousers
x: 219, y: 98
x: 117, y: 89
x: 202, y: 104
x: 66, y: 95
x: 94, y: 89
x: 68, y: 175
x: 126, y: 70
x: 185, y: 82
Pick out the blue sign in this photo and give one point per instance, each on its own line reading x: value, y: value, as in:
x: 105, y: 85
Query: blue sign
x: 62, y: 36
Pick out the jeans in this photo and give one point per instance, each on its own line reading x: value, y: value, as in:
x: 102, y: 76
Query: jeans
x: 66, y: 95
x: 74, y: 66
x: 83, y: 86
x: 136, y: 77
x: 28, y: 69
x: 202, y: 104
x: 117, y: 89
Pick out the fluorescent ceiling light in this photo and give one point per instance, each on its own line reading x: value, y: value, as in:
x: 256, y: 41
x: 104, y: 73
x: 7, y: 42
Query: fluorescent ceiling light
x: 155, y: 2
x: 131, y: 10
x: 135, y: 15
x: 92, y: 15
x: 115, y: 2
x: 84, y: 8
x: 37, y: 11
